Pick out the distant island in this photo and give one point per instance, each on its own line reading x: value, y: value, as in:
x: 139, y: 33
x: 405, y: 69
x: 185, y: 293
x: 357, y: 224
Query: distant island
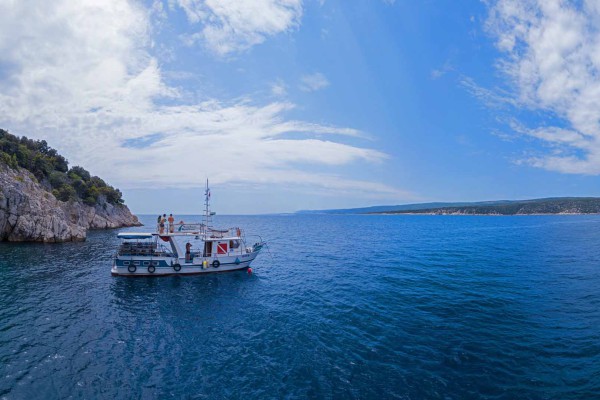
x: 553, y: 205
x: 43, y: 200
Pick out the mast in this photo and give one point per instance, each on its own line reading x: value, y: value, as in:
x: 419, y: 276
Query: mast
x: 207, y: 216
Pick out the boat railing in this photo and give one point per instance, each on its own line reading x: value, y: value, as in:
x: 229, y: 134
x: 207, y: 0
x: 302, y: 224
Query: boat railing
x: 197, y: 227
x: 180, y: 227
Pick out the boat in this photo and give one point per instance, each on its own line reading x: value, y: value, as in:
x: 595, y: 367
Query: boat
x: 184, y: 249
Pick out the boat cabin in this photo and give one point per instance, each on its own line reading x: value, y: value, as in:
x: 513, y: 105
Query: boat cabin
x: 222, y: 246
x: 176, y: 245
x: 142, y: 244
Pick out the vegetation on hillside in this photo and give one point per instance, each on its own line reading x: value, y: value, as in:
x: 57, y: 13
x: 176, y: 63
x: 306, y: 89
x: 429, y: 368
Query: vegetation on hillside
x: 52, y: 171
x: 560, y: 205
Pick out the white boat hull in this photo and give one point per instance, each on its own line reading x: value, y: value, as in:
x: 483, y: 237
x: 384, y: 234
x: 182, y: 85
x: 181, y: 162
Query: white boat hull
x: 161, y: 266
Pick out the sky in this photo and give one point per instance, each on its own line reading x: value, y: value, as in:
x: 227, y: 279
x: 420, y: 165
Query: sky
x: 286, y: 105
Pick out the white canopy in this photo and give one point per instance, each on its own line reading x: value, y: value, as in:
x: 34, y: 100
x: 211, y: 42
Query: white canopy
x: 134, y: 235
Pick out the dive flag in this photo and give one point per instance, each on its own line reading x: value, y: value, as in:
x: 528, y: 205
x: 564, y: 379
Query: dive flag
x: 222, y: 248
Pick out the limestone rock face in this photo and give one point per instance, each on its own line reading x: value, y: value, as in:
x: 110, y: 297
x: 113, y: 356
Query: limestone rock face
x: 29, y: 213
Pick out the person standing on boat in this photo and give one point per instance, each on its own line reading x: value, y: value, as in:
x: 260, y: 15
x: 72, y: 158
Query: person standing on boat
x: 171, y: 223
x: 188, y: 252
x: 163, y: 220
x: 158, y: 222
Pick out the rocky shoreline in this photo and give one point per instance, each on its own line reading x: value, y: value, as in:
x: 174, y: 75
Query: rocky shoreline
x: 30, y: 213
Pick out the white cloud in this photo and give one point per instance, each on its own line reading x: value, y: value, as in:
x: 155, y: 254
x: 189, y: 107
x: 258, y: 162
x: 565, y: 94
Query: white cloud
x: 440, y: 72
x: 64, y: 58
x: 230, y: 26
x: 313, y: 82
x: 494, y: 98
x: 279, y: 88
x: 552, y: 58
x: 80, y: 76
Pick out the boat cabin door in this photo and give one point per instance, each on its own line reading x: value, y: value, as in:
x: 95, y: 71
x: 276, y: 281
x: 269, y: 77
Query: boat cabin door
x: 207, y: 249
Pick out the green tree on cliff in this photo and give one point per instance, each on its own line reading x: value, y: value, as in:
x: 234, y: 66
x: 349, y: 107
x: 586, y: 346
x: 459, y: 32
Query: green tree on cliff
x: 52, y: 169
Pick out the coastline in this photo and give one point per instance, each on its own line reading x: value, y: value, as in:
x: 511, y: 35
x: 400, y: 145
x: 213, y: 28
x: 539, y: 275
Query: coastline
x: 477, y: 214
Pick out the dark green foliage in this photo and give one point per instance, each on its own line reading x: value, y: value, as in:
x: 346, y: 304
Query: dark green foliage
x: 42, y: 167
x: 65, y: 193
x: 90, y: 201
x: 79, y: 171
x: 112, y: 195
x: 93, y: 192
x: 9, y: 160
x: 48, y: 166
x: 80, y: 187
x: 57, y: 179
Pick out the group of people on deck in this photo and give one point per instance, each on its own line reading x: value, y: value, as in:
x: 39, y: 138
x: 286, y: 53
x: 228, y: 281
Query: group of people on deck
x: 169, y: 223
x: 162, y: 223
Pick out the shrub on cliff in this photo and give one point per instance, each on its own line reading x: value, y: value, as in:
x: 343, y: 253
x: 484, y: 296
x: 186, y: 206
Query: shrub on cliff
x: 52, y: 169
x: 65, y: 193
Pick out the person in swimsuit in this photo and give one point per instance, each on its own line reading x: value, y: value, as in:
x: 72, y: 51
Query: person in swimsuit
x: 163, y: 220
x: 171, y: 223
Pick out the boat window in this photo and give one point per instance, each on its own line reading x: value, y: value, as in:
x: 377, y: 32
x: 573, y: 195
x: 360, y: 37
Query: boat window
x: 234, y: 244
x: 136, y: 248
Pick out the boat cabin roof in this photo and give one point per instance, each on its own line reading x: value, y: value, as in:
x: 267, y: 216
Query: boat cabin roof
x: 199, y: 234
x: 134, y: 235
x: 144, y: 235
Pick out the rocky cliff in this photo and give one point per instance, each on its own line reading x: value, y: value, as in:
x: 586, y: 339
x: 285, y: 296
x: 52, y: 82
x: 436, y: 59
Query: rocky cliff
x: 30, y: 213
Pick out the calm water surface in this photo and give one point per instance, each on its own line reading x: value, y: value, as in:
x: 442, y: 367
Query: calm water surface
x: 343, y: 307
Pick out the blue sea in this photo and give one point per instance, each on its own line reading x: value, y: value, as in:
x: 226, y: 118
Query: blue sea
x: 337, y: 307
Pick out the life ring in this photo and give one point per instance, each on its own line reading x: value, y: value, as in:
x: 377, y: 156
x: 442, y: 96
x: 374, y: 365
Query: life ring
x: 151, y: 269
x: 216, y: 264
x: 131, y: 268
x: 177, y: 267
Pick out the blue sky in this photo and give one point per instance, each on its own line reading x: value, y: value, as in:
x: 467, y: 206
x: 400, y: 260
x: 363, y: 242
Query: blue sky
x: 289, y: 104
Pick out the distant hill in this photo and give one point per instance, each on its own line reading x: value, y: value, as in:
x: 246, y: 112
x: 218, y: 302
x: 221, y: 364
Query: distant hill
x: 554, y: 205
